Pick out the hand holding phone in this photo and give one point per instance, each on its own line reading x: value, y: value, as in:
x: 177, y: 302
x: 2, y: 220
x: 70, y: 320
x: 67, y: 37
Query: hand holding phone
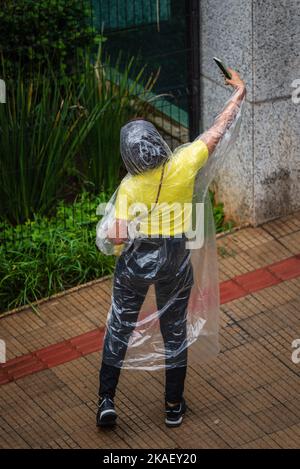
x: 223, y: 68
x: 232, y: 77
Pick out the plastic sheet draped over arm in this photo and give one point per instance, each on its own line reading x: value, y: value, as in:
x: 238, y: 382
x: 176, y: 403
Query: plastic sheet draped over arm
x: 223, y: 133
x: 165, y: 297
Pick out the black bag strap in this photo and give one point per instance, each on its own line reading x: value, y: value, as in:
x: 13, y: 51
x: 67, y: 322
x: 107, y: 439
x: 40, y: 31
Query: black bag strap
x: 159, y: 187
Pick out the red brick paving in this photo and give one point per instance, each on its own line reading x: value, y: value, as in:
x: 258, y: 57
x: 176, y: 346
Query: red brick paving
x: 51, y: 356
x: 230, y: 291
x: 286, y: 269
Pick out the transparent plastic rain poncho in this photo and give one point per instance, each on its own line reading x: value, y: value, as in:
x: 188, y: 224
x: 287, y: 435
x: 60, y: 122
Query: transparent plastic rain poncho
x: 165, y: 298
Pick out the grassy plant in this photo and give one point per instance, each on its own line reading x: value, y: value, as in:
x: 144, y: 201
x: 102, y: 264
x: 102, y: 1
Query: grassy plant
x: 47, y: 256
x: 219, y: 215
x: 41, y: 132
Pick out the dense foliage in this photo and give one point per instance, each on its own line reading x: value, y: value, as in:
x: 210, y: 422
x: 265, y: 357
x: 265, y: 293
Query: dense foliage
x: 47, y: 256
x: 36, y: 33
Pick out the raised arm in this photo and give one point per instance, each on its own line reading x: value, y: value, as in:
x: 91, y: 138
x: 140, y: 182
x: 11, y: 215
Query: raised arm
x: 213, y: 136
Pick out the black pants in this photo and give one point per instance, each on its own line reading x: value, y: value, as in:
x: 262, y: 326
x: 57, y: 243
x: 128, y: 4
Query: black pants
x: 164, y: 262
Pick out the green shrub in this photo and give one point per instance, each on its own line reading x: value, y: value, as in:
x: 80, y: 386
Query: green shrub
x: 47, y: 256
x: 219, y: 215
x: 35, y: 33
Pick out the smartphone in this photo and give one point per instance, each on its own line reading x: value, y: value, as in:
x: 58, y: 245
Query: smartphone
x: 223, y: 68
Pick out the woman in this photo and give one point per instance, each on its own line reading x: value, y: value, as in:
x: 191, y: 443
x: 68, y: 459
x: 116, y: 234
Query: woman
x: 158, y: 255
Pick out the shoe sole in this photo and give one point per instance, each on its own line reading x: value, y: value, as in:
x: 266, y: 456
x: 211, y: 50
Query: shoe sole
x: 174, y: 423
x: 107, y: 420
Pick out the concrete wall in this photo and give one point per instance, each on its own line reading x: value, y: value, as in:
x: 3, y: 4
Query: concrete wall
x: 260, y: 179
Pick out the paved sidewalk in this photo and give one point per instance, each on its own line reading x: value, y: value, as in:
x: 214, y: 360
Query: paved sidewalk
x: 248, y: 397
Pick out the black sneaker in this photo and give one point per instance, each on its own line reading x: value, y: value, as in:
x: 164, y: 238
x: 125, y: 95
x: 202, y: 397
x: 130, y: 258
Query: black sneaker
x: 174, y: 415
x: 106, y: 415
